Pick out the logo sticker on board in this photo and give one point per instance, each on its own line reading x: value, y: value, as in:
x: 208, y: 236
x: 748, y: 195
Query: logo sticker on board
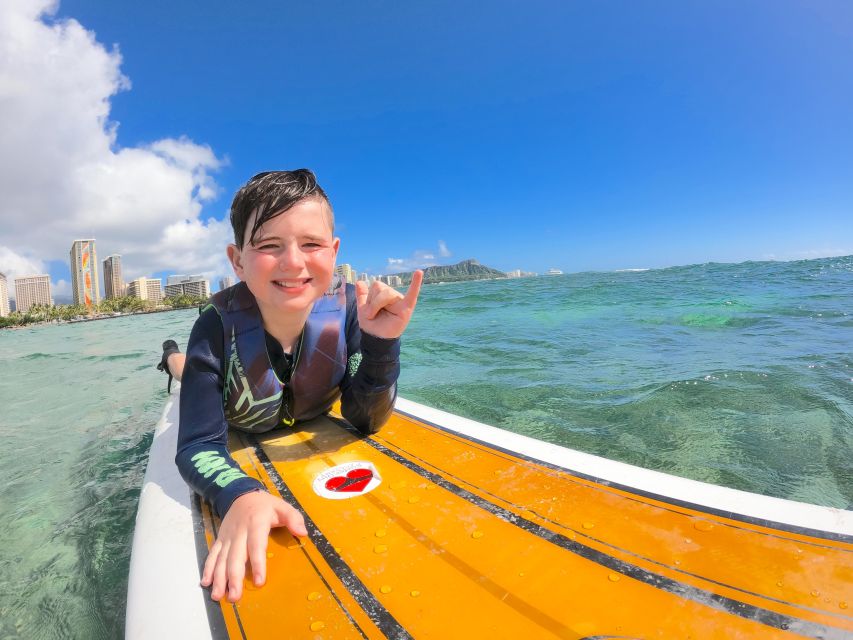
x: 347, y: 481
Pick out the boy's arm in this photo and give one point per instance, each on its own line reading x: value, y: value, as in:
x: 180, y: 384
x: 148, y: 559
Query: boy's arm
x: 376, y: 319
x: 202, y: 457
x: 369, y: 387
x: 247, y: 511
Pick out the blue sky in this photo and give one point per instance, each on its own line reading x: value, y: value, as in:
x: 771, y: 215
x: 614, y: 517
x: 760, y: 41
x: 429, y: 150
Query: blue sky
x: 582, y: 136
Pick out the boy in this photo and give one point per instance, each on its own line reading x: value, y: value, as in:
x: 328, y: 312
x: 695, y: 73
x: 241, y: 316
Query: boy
x: 274, y: 349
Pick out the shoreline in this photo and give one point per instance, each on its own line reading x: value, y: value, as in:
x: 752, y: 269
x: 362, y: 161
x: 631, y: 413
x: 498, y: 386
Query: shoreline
x: 104, y: 316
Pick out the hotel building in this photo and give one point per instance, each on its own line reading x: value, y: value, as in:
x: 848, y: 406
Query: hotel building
x: 113, y: 283
x: 4, y: 296
x: 146, y: 289
x: 84, y: 273
x: 226, y: 282
x: 32, y: 290
x: 187, y: 285
x: 346, y: 272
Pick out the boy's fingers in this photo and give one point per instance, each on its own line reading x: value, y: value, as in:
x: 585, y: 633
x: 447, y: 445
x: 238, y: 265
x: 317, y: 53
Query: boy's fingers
x: 414, y: 289
x: 220, y: 580
x: 258, y: 540
x: 292, y: 519
x: 360, y: 293
x: 236, y: 571
x: 383, y: 299
x: 209, y: 564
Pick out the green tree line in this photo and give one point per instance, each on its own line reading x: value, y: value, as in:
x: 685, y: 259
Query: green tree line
x: 68, y: 312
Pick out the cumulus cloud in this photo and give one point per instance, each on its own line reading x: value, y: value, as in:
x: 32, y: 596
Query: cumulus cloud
x: 63, y: 174
x: 420, y: 259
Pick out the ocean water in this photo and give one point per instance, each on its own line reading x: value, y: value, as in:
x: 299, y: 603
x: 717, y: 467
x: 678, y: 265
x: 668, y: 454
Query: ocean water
x: 740, y: 375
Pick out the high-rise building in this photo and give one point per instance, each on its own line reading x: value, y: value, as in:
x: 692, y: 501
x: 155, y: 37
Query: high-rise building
x: 113, y: 282
x: 187, y: 285
x: 4, y: 296
x: 363, y: 277
x: 84, y: 273
x: 346, y: 272
x: 32, y: 290
x: 155, y: 290
x: 226, y: 282
x: 146, y: 289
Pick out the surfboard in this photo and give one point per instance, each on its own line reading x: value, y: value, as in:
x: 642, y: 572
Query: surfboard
x: 442, y: 527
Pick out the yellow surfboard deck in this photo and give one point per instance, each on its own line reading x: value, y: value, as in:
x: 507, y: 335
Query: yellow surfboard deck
x: 422, y: 532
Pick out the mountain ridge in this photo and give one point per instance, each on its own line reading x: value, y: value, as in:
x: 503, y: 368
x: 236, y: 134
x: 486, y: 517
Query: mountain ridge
x: 470, y: 269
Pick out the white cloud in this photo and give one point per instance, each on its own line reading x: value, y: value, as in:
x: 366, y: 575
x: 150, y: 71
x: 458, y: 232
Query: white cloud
x: 62, y: 174
x: 420, y: 259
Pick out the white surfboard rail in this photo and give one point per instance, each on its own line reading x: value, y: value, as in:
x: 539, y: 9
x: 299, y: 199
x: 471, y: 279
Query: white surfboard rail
x: 164, y: 599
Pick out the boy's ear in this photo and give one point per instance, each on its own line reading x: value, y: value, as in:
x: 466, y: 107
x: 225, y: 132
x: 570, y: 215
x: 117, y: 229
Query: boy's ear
x: 336, y: 244
x: 235, y: 257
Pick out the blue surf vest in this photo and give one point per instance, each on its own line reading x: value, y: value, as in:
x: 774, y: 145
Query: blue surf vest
x: 255, y: 399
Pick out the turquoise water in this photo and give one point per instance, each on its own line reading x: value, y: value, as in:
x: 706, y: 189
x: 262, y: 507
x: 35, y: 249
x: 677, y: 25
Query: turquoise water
x: 740, y: 375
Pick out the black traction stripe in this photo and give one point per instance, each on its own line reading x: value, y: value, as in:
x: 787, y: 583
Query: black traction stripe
x: 215, y: 618
x: 722, y: 603
x: 770, y: 524
x: 374, y: 609
x: 314, y: 565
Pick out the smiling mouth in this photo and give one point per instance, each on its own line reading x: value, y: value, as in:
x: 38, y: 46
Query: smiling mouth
x: 291, y: 284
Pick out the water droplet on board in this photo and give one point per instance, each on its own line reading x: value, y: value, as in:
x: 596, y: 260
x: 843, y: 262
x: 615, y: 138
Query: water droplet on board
x: 317, y: 626
x: 385, y: 588
x: 703, y: 525
x: 313, y: 596
x: 381, y: 533
x: 588, y: 525
x: 477, y: 535
x: 613, y: 577
x: 270, y: 554
x: 415, y: 594
x: 521, y: 574
x: 779, y: 584
x: 413, y: 499
x: 842, y: 605
x: 337, y: 549
x: 380, y: 548
x: 815, y: 593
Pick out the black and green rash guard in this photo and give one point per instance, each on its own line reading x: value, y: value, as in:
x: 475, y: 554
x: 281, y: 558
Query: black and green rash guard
x: 367, y: 393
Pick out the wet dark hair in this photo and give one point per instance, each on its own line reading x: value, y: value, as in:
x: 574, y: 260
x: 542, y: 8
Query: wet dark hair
x: 270, y: 194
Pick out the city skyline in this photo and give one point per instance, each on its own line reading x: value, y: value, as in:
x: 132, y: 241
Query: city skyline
x: 86, y: 280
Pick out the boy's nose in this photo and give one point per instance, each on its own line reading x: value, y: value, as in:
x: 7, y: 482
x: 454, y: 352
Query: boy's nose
x: 291, y: 257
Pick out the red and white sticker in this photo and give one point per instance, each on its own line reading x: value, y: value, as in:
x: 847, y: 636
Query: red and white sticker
x: 347, y: 481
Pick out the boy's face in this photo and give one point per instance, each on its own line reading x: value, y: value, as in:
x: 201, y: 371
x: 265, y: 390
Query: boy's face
x: 292, y: 261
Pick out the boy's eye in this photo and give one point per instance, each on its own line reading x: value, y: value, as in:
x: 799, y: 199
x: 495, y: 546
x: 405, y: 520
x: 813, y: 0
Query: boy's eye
x: 266, y: 246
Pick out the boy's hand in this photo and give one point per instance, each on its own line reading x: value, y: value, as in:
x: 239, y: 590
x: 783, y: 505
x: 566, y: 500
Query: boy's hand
x: 246, y: 528
x: 383, y: 311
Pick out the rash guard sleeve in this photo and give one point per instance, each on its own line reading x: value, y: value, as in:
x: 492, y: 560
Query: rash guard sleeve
x: 369, y: 387
x: 202, y: 457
